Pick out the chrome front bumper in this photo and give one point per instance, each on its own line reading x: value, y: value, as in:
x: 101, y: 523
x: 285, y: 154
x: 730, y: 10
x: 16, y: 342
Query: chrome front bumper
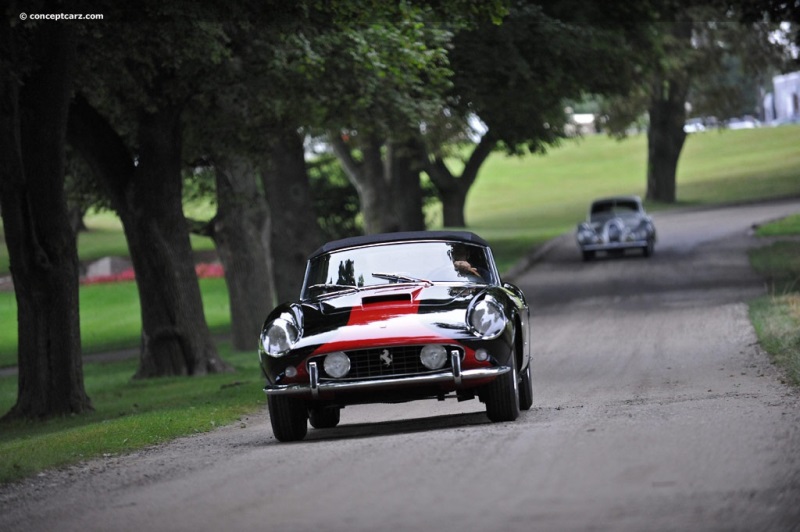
x: 603, y: 246
x: 315, y: 387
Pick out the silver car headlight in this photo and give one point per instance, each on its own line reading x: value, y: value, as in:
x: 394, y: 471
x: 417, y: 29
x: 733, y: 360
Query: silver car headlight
x: 279, y: 336
x: 642, y: 231
x: 585, y: 234
x: 486, y: 318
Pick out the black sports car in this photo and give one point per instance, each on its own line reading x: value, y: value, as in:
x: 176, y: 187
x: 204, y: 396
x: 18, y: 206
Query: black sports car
x: 396, y: 317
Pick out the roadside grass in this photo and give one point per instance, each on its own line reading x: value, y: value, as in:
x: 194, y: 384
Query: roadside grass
x: 129, y: 414
x: 776, y: 316
x: 784, y: 227
x: 779, y: 263
x: 776, y: 319
x: 516, y: 204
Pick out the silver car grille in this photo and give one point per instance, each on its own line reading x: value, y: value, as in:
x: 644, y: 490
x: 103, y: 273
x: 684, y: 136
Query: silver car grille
x: 613, y: 230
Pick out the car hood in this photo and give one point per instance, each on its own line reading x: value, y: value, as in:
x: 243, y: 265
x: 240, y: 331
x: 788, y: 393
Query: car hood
x: 387, y: 316
x: 632, y: 221
x: 399, y: 296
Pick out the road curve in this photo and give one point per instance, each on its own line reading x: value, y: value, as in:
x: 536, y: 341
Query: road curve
x: 654, y: 409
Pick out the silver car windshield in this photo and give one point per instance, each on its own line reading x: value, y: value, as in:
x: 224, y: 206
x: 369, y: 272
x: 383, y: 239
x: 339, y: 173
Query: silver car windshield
x: 605, y: 210
x: 407, y: 263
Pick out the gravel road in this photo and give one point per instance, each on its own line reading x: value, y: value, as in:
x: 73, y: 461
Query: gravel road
x: 654, y: 409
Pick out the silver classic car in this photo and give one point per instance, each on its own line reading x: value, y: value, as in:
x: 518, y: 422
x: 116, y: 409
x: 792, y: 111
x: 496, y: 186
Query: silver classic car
x: 614, y: 225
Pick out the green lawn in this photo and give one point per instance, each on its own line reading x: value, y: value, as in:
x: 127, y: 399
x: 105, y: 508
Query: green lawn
x: 111, y: 316
x: 104, y: 238
x: 516, y: 204
x: 129, y: 414
x: 520, y: 202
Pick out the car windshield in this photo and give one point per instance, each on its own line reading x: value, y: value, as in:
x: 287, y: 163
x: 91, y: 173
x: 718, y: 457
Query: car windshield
x: 602, y: 210
x: 407, y: 262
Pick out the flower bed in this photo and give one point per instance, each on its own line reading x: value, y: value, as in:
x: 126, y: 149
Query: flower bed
x: 203, y: 270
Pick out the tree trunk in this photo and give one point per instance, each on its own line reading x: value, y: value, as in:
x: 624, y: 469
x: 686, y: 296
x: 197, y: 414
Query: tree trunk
x: 147, y: 198
x: 453, y: 190
x: 175, y: 336
x: 369, y: 178
x: 242, y: 238
x: 454, y: 201
x: 665, y: 139
x: 665, y: 136
x: 41, y: 244
x: 76, y: 215
x: 403, y: 162
x: 295, y: 231
x: 388, y: 189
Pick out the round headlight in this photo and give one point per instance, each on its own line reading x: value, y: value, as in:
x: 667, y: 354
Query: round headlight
x: 337, y: 365
x: 433, y: 356
x: 585, y: 235
x: 487, y: 318
x: 279, y: 337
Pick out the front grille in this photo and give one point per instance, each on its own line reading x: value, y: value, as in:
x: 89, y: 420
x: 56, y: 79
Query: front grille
x: 384, y: 362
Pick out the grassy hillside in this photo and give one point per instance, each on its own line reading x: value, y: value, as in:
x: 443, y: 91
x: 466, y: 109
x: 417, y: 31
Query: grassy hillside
x: 518, y: 202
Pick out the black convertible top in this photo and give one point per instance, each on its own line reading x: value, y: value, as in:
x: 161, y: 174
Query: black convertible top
x: 405, y: 236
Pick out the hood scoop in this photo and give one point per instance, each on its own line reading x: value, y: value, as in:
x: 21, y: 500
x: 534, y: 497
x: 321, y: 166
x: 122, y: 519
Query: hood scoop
x: 386, y: 298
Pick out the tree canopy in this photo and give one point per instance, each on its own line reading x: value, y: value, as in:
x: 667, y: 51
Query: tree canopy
x: 515, y: 77
x: 149, y: 94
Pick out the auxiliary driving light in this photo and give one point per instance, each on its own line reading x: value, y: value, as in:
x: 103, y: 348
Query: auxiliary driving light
x: 433, y: 356
x: 481, y: 355
x: 337, y: 364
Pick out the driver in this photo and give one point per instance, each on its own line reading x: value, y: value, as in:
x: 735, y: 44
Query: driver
x: 461, y: 261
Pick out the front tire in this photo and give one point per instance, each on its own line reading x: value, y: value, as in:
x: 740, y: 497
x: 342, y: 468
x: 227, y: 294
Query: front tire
x: 324, y: 417
x: 526, y: 389
x: 502, y: 396
x: 288, y: 417
x: 587, y: 255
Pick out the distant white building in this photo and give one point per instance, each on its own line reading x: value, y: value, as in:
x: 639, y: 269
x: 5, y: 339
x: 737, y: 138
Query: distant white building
x: 784, y: 102
x: 580, y: 124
